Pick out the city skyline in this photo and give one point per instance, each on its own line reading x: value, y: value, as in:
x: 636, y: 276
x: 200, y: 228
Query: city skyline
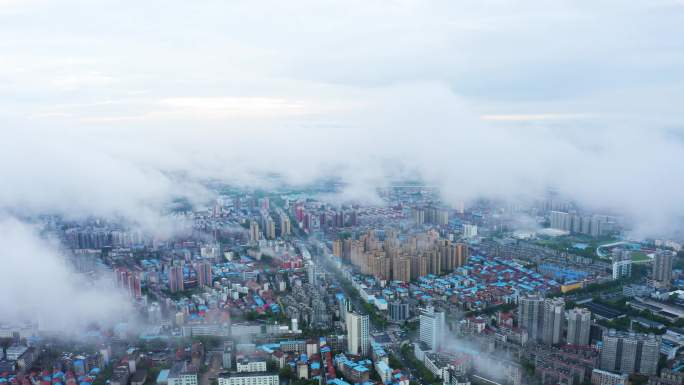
x: 246, y: 108
x: 315, y: 192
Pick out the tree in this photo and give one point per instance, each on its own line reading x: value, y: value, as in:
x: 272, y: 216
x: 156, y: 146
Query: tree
x: 286, y: 372
x: 252, y: 315
x: 209, y: 342
x: 394, y: 362
x: 152, y: 374
x: 104, y: 375
x: 266, y: 259
x: 302, y: 381
x: 6, y: 342
x: 423, y: 372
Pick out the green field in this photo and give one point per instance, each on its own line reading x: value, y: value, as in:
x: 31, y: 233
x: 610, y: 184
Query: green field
x: 639, y: 256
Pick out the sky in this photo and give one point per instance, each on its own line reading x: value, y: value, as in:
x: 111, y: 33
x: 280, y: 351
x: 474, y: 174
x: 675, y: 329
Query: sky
x: 113, y: 109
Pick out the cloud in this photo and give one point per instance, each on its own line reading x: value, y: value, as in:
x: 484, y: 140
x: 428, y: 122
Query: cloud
x: 533, y: 117
x: 38, y: 285
x: 403, y: 132
x: 481, y: 98
x: 222, y: 107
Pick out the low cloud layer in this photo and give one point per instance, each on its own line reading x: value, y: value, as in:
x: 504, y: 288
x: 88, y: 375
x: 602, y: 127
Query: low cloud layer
x: 417, y: 131
x: 114, y: 109
x: 37, y: 285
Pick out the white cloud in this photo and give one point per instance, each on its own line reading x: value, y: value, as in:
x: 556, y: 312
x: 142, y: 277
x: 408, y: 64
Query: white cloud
x: 39, y: 286
x: 481, y: 97
x: 79, y: 81
x: 217, y: 107
x: 534, y: 117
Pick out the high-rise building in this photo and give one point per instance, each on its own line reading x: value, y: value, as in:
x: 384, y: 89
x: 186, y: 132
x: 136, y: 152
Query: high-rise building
x: 401, y: 268
x: 662, y: 269
x: 452, y: 255
x: 175, y: 275
x: 399, y: 311
x: 346, y: 249
x: 253, y: 232
x: 418, y: 215
x: 379, y: 265
x: 337, y: 248
x: 358, y: 334
x: 285, y: 225
x: 585, y: 225
x: 338, y: 219
x: 311, y: 272
x: 553, y: 320
x: 298, y: 210
x: 269, y: 227
x: 204, y: 276
x: 419, y: 265
x: 370, y: 243
x: 436, y: 216
x: 264, y: 204
x: 530, y: 315
x: 622, y: 264
x: 576, y: 221
x: 357, y: 254
x: 442, y: 218
x: 579, y: 326
x: 462, y: 254
x: 601, y: 225
x: 129, y: 282
x: 435, y: 260
x: 610, y: 352
x: 447, y: 252
x: 469, y: 231
x: 432, y: 327
x: 560, y: 220
x: 352, y: 218
x: 430, y: 214
x: 306, y: 221
x: 630, y: 352
x: 650, y: 354
x: 227, y: 356
x: 342, y: 304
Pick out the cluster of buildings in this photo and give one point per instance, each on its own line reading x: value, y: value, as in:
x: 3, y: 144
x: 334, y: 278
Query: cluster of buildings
x: 27, y: 365
x: 297, y: 289
x: 592, y: 225
x: 396, y: 259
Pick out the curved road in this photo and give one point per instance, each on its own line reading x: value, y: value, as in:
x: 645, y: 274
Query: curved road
x: 602, y: 254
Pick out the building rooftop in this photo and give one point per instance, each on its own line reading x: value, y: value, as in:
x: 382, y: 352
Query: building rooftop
x: 247, y: 374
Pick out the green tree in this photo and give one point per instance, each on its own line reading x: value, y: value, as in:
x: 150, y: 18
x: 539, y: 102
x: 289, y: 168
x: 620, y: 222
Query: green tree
x: 286, y: 372
x: 394, y: 362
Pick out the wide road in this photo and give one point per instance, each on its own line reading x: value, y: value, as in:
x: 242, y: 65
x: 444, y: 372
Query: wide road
x: 336, y: 277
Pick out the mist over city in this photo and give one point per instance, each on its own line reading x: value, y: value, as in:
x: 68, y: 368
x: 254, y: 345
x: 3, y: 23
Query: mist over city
x: 341, y: 193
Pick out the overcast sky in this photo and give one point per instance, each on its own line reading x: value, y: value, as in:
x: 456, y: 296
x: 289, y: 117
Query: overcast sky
x: 112, y: 108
